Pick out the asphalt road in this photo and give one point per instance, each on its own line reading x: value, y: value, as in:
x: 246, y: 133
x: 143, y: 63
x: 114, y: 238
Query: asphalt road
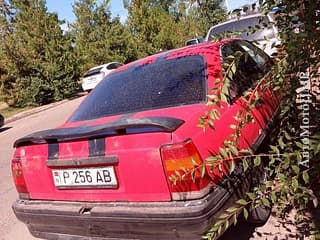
x: 12, y: 229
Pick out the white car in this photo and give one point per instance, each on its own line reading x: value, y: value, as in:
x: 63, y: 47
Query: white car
x: 92, y: 77
x: 266, y: 38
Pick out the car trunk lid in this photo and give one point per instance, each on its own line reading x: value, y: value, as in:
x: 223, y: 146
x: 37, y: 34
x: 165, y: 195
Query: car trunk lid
x: 106, y: 162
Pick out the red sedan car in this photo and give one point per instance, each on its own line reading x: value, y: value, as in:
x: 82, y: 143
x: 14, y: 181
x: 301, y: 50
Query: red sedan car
x: 107, y: 172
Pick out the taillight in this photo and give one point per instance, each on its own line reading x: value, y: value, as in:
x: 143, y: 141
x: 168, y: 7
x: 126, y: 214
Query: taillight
x: 18, y: 178
x: 185, y: 172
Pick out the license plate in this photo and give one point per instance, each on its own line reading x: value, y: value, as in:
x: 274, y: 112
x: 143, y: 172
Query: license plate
x: 85, y: 178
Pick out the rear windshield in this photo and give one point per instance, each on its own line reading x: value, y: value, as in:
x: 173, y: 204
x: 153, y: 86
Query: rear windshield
x: 114, y: 66
x: 164, y: 83
x: 92, y: 72
x: 244, y: 25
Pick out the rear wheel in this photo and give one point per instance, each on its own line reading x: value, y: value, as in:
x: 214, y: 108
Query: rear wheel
x: 259, y: 215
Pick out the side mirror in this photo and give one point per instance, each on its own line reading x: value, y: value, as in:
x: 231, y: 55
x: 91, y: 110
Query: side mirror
x: 194, y: 41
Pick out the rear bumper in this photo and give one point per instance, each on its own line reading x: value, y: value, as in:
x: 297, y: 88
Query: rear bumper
x: 89, y: 84
x: 149, y: 220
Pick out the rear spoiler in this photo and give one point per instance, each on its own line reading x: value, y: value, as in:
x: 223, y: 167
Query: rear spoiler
x: 122, y: 126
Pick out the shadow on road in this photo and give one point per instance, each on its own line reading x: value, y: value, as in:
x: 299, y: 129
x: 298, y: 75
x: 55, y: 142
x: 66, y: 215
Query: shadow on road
x: 242, y: 231
x: 4, y: 129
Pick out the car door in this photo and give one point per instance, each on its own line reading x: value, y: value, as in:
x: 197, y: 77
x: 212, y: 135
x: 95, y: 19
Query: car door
x: 245, y: 87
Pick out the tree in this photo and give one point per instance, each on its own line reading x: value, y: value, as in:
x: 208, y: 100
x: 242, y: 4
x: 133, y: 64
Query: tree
x: 37, y: 58
x: 292, y: 153
x: 89, y: 31
x: 152, y: 26
x: 209, y: 12
x: 122, y: 45
x: 97, y: 37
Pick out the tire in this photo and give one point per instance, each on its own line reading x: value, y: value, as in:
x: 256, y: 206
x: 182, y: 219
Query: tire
x: 259, y: 215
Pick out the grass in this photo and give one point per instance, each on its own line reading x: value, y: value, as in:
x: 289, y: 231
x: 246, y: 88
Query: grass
x: 11, y: 111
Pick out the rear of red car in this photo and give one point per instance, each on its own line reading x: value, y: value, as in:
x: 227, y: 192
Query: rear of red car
x: 108, y: 172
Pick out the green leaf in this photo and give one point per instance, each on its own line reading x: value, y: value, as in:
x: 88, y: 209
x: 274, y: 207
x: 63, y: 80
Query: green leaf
x: 225, y: 66
x: 273, y: 197
x: 232, y: 166
x: 269, y: 184
x: 223, y: 152
x: 245, y: 213
x: 246, y: 151
x: 224, y: 216
x: 235, y: 219
x: 193, y: 173
x: 281, y: 176
x: 232, y: 126
x: 286, y: 162
x: 232, y: 209
x: 295, y: 184
x: 219, y: 229
x: 257, y: 161
x: 287, y: 136
x: 276, y: 88
x: 203, y: 170
x: 233, y: 68
x: 234, y: 150
x: 230, y: 58
x: 305, y: 177
x: 218, y: 80
x: 275, y: 149
x: 223, y: 97
x: 299, y: 156
x: 177, y: 173
x: 245, y: 164
x: 299, y: 145
x: 281, y: 143
x: 251, y: 196
x: 194, y: 163
x: 242, y: 202
x: 265, y: 202
x: 225, y: 89
x: 296, y: 169
x: 226, y: 226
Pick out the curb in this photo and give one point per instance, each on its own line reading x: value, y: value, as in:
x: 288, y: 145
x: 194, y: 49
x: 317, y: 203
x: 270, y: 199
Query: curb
x: 33, y: 111
x: 41, y: 108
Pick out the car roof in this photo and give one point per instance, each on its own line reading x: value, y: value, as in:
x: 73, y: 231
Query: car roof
x: 197, y: 49
x: 235, y: 19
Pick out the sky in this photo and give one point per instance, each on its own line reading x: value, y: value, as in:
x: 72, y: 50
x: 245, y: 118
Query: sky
x: 64, y: 8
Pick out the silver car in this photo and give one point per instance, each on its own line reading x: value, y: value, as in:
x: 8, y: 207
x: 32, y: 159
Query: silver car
x: 265, y: 38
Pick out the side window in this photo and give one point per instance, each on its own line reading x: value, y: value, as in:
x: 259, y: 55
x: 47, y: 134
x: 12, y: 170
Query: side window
x: 247, y: 70
x: 114, y: 65
x: 261, y: 58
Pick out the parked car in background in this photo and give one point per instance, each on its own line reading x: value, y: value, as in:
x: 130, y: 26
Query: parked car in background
x: 92, y: 77
x: 194, y: 41
x: 107, y: 172
x: 1, y: 120
x: 266, y: 37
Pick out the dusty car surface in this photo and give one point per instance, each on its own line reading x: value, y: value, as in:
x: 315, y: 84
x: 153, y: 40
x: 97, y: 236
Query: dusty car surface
x: 106, y: 172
